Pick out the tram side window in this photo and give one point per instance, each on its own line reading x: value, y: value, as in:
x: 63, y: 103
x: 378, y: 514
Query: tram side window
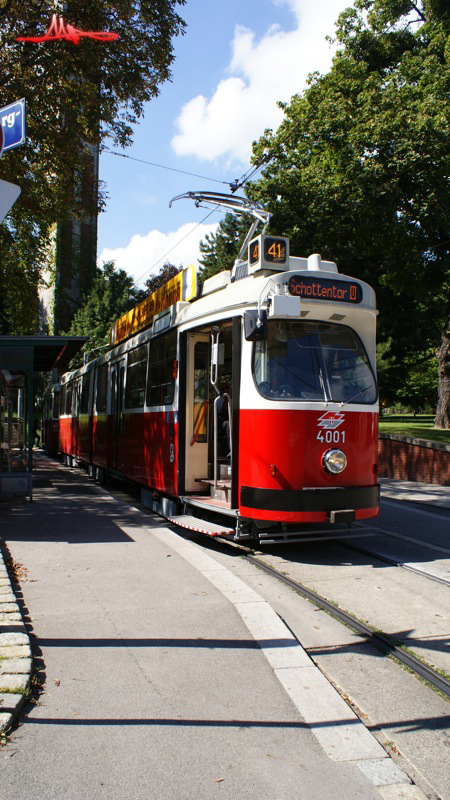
x: 102, y: 389
x: 46, y: 411
x: 84, y: 399
x: 136, y: 377
x: 69, y: 396
x: 62, y: 408
x: 161, y: 380
x: 201, y: 386
x: 56, y: 405
x: 76, y: 398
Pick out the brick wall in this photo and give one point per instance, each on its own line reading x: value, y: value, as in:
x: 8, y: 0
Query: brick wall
x: 407, y: 459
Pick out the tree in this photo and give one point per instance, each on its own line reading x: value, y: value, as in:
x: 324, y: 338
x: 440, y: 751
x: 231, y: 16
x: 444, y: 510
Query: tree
x: 166, y: 272
x: 222, y: 247
x: 443, y: 355
x: 76, y: 94
x: 113, y: 293
x: 360, y: 167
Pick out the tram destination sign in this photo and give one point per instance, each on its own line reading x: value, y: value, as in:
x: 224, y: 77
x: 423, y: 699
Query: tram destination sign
x: 331, y: 290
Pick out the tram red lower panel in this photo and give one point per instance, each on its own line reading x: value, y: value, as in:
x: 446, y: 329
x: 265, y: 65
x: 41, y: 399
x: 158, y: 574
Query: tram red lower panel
x: 141, y: 446
x: 281, y: 476
x: 66, y: 435
x: 148, y: 449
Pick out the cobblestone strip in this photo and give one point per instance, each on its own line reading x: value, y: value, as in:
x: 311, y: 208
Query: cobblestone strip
x: 16, y: 662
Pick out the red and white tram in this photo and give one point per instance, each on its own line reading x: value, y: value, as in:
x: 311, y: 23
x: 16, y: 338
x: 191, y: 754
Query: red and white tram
x: 249, y: 411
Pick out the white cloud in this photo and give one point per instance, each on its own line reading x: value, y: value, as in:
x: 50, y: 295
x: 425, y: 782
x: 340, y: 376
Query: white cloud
x: 144, y: 256
x: 260, y: 74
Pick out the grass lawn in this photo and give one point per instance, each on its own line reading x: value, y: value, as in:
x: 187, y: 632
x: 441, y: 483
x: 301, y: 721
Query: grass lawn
x: 419, y: 427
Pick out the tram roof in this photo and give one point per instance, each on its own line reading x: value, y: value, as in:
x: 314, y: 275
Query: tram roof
x: 39, y: 353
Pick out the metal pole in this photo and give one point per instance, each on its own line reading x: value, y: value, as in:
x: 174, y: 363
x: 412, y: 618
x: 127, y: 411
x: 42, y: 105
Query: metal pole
x: 30, y: 430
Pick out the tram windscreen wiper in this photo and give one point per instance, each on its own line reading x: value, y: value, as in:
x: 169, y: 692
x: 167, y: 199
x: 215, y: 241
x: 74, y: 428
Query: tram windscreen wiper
x: 322, y: 383
x: 349, y: 399
x: 321, y: 378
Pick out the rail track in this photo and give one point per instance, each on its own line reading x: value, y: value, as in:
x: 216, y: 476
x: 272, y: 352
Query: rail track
x: 379, y: 640
x: 394, y: 562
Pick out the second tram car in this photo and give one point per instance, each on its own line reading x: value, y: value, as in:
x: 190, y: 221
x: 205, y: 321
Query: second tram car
x: 50, y: 420
x: 249, y: 411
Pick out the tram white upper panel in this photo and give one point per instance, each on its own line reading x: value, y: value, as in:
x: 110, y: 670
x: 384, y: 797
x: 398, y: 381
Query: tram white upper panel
x: 246, y: 293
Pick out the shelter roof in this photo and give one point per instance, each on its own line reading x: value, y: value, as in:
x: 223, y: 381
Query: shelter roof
x: 39, y: 353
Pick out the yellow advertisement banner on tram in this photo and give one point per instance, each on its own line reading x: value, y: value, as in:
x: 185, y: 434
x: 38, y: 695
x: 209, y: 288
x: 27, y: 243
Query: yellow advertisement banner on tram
x: 182, y: 287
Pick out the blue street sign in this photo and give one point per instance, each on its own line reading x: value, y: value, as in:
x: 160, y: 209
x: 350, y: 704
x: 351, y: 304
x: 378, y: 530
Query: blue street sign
x: 12, y: 120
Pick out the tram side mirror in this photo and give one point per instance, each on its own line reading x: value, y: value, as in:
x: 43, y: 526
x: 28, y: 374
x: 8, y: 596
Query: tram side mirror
x: 255, y: 328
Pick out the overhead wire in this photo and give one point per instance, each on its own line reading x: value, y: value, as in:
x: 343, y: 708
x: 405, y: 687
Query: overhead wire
x: 171, y: 169
x: 234, y: 186
x: 175, y: 245
x: 163, y: 166
x: 265, y: 159
x: 237, y: 184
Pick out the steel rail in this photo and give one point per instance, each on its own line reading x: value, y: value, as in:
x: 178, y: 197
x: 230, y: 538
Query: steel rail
x: 379, y: 640
x: 393, y: 562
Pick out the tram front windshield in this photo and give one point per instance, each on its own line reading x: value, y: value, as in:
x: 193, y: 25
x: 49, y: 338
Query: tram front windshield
x: 313, y: 361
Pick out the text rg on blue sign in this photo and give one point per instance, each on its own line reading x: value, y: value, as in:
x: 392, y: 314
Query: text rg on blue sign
x: 12, y: 120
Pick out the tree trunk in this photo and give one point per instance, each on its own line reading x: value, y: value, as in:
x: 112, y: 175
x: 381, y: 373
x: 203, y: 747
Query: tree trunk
x: 442, y: 419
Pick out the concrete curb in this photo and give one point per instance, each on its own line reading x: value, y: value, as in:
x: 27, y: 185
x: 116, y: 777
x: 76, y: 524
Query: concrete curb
x: 337, y: 728
x: 428, y: 495
x: 16, y: 661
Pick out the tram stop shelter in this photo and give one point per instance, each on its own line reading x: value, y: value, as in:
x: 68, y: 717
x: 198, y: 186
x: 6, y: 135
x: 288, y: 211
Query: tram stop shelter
x: 20, y: 358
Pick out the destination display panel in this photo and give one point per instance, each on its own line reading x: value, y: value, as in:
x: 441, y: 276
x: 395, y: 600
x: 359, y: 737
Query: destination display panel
x: 335, y: 291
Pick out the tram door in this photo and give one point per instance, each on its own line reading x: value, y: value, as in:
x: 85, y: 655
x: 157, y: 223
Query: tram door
x: 209, y: 403
x: 76, y: 417
x: 197, y: 410
x: 117, y: 379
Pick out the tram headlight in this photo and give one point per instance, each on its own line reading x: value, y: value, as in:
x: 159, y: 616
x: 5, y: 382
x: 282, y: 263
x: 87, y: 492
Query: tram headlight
x: 334, y: 461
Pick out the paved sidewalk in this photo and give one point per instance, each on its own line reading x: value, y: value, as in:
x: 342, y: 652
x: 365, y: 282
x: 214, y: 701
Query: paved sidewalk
x: 165, y: 674
x: 429, y: 494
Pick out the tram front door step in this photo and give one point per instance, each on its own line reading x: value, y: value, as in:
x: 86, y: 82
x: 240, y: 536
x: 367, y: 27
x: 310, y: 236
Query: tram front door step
x: 201, y: 525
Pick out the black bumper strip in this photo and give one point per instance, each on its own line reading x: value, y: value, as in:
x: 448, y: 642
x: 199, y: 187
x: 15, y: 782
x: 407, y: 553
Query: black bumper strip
x: 339, y: 498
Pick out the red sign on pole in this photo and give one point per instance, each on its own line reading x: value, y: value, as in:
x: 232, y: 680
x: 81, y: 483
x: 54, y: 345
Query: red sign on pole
x: 58, y: 29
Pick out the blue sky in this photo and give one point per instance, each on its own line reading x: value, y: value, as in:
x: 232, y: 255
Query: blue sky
x: 235, y: 61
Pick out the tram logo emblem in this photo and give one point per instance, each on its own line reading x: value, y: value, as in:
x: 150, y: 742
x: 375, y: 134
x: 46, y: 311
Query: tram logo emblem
x: 330, y: 420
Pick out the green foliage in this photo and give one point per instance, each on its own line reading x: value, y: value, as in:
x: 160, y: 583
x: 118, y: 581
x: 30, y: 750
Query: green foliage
x: 360, y: 170
x: 386, y: 372
x: 420, y: 386
x: 221, y: 249
x: 75, y: 94
x: 416, y: 426
x: 113, y: 293
x: 166, y: 272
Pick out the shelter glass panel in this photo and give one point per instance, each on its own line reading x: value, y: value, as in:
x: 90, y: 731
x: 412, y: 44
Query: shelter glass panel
x: 13, y: 415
